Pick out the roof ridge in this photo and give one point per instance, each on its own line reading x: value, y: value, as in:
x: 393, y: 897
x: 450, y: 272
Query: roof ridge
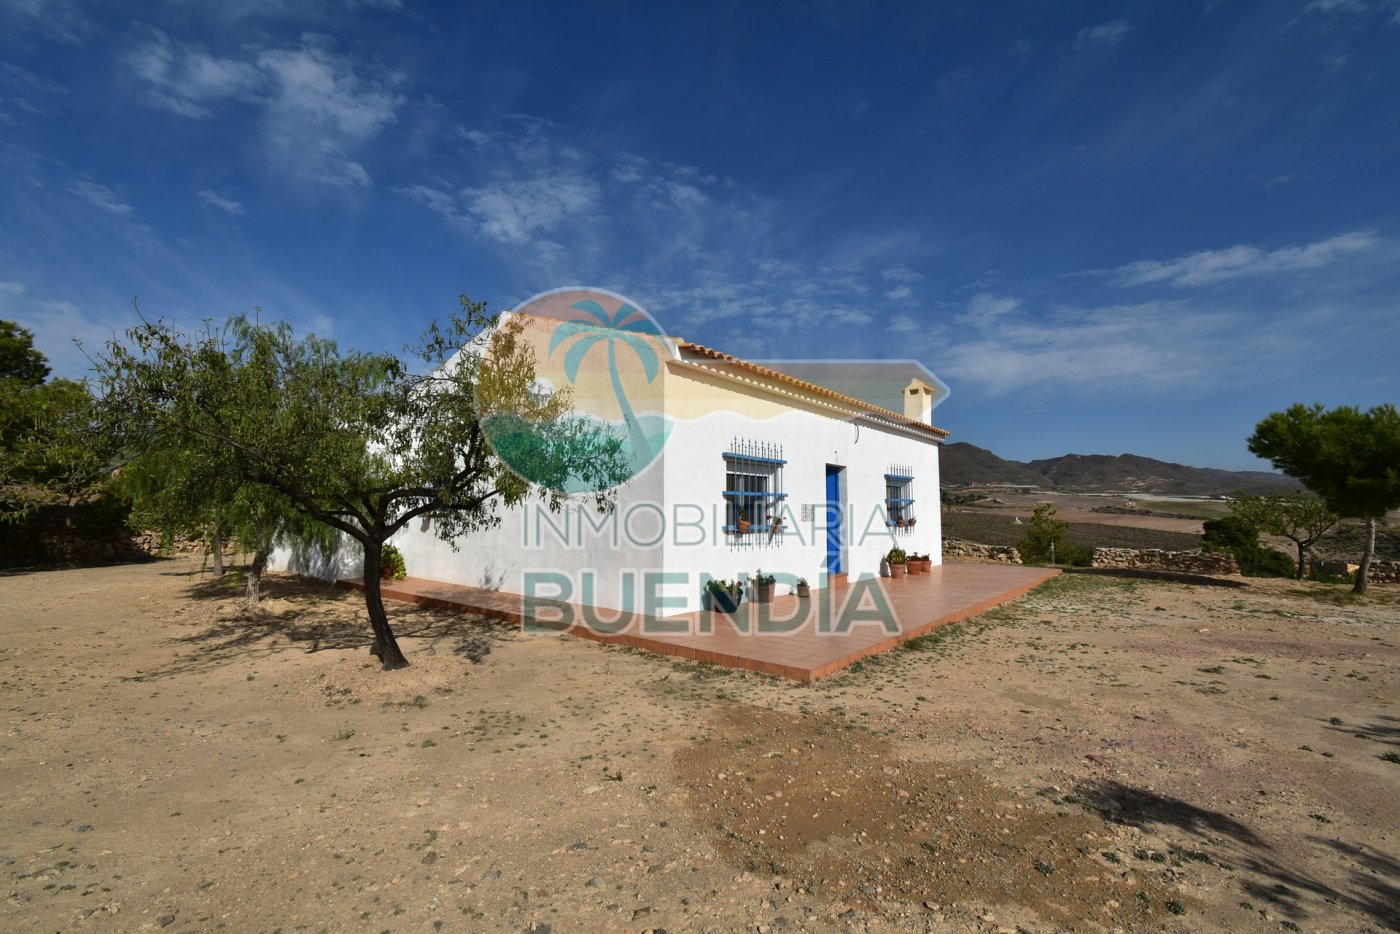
x: 761, y: 370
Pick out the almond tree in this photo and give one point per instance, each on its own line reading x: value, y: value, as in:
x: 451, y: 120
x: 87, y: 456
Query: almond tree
x: 358, y: 442
x: 1303, y: 518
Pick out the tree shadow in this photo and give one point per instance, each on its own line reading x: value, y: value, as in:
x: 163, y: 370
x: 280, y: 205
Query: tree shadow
x: 322, y: 617
x: 1371, y: 888
x: 1384, y: 729
x: 1140, y: 808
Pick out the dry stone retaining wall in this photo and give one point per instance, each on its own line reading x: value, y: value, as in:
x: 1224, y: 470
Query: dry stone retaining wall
x: 955, y: 548
x: 1154, y: 559
x: 1382, y: 572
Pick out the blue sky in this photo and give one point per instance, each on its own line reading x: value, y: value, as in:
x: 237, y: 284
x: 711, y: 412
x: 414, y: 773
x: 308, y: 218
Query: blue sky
x: 1108, y: 227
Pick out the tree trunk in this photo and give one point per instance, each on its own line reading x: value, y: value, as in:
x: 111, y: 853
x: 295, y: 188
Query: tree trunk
x: 1363, y: 573
x: 385, y: 647
x: 1302, y: 559
x: 254, y: 582
x: 216, y: 551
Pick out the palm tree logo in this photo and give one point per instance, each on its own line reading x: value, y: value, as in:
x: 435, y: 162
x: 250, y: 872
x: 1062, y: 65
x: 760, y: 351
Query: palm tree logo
x: 633, y: 329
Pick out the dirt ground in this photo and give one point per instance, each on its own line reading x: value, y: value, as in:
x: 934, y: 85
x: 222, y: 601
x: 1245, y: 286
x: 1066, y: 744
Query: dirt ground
x: 1102, y: 754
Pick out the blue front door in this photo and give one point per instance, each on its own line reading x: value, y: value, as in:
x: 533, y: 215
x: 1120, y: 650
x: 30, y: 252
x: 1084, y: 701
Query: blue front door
x: 834, y: 512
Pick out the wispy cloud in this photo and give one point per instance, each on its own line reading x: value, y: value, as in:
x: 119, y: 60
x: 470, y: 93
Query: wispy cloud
x: 1336, y: 6
x: 101, y: 196
x: 1109, y: 349
x: 1104, y: 34
x: 316, y: 106
x: 1210, y: 266
x: 214, y: 199
x: 515, y: 211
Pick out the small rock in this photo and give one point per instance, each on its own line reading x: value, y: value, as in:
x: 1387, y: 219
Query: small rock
x: 165, y: 920
x: 429, y: 858
x: 641, y: 913
x: 594, y: 883
x: 578, y: 847
x: 932, y: 906
x: 82, y: 828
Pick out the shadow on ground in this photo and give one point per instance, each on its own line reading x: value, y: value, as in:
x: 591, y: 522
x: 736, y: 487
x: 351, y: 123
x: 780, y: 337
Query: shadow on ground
x: 1372, y: 888
x: 309, y: 616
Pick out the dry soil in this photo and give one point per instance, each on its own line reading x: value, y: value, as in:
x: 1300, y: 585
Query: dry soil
x: 1103, y: 754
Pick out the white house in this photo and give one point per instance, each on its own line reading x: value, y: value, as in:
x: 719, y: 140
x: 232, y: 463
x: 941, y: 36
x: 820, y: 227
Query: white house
x: 743, y: 468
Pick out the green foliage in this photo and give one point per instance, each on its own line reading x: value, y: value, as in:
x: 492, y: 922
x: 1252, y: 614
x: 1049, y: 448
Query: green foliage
x: 764, y: 580
x: 1240, y: 537
x: 1302, y: 518
x: 49, y: 454
x: 1045, y: 537
x: 358, y: 442
x: 19, y: 360
x: 1229, y: 532
x: 718, y: 585
x: 1349, y: 458
x: 897, y: 555
x: 392, y: 564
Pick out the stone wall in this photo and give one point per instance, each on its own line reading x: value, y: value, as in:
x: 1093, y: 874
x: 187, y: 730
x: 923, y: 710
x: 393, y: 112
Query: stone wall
x: 1006, y: 554
x: 1382, y: 572
x: 65, y: 536
x: 1154, y: 559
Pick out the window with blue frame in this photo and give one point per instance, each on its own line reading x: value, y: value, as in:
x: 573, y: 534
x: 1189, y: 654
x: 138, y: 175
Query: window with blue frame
x: 899, y: 497
x: 753, y: 488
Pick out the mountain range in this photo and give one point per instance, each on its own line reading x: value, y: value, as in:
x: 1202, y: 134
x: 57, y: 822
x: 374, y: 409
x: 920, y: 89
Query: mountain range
x: 963, y: 464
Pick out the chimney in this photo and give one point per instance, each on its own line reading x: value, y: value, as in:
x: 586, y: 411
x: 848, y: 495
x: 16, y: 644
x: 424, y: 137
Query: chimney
x: 918, y: 401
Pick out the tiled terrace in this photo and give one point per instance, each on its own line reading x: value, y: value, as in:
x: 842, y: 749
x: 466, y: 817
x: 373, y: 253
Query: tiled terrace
x: 802, y: 639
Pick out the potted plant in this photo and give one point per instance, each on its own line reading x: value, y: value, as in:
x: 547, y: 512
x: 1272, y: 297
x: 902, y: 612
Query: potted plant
x: 743, y: 521
x: 913, y: 522
x: 897, y: 559
x: 899, y: 522
x: 725, y: 596
x: 775, y: 523
x: 914, y: 565
x: 391, y: 566
x: 927, y: 562
x: 802, y: 589
x: 763, y: 587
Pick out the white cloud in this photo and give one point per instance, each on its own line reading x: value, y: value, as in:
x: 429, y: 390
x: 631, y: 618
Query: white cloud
x: 985, y: 309
x: 101, y: 196
x: 900, y: 293
x: 1110, y: 349
x: 514, y: 211
x: 901, y: 274
x: 223, y: 202
x: 1209, y: 266
x: 1104, y: 34
x: 316, y: 106
x: 14, y: 288
x: 1336, y: 6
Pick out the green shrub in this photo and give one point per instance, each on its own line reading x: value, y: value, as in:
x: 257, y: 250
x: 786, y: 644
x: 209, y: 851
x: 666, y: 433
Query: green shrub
x: 1239, y: 537
x: 391, y: 563
x: 1045, y: 538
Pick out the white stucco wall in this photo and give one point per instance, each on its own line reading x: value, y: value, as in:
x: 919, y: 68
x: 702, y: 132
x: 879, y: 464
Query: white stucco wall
x: 670, y: 518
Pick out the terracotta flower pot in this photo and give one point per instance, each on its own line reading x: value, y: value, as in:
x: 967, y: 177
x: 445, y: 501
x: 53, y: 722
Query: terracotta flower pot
x: 896, y: 571
x: 915, y: 567
x: 763, y: 593
x: 804, y: 590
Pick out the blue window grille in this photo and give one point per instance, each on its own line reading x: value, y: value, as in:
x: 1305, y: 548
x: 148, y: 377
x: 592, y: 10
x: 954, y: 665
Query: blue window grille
x: 899, y: 500
x: 753, y: 489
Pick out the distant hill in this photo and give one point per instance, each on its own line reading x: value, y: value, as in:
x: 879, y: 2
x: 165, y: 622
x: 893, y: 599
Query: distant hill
x: 964, y: 464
